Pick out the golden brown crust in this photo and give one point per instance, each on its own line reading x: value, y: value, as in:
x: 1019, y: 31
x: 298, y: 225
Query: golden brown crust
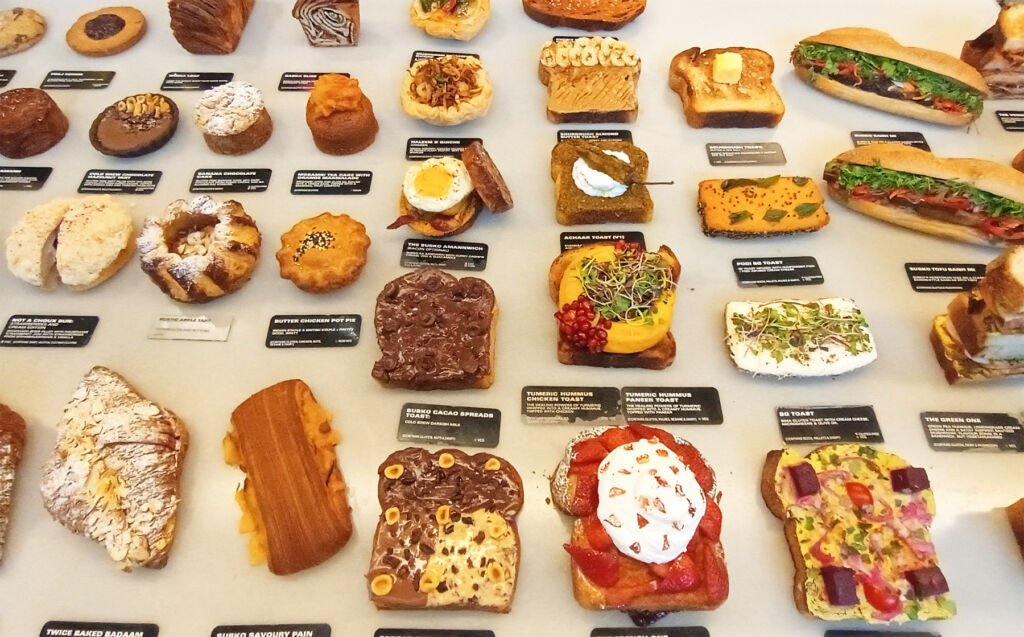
x: 460, y: 222
x: 133, y: 28
x: 1015, y: 514
x: 209, y: 26
x: 462, y: 111
x: 563, y: 260
x: 441, y: 24
x: 590, y: 15
x: 876, y: 42
x: 906, y: 108
x: 323, y: 253
x: 487, y: 179
x: 954, y: 361
x: 752, y: 102
x: 343, y: 132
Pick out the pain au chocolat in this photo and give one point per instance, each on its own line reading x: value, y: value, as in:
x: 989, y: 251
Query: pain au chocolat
x: 447, y: 536
x: 294, y: 499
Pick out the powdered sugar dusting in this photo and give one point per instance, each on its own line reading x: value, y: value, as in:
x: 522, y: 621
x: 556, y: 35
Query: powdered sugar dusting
x: 229, y: 109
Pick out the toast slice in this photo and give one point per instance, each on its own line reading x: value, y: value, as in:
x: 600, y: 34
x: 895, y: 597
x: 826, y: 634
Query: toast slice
x: 590, y: 80
x: 658, y: 586
x: 1015, y: 514
x: 957, y: 364
x: 447, y: 537
x: 836, y: 504
x: 711, y: 100
x: 589, y: 15
x: 574, y: 206
x: 752, y: 208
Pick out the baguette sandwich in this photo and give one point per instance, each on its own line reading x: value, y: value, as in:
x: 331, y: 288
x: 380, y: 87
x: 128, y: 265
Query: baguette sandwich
x: 870, y: 68
x: 970, y: 200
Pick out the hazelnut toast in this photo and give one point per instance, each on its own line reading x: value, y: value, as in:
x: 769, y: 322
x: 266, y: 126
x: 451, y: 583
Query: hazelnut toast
x: 294, y: 499
x: 447, y: 536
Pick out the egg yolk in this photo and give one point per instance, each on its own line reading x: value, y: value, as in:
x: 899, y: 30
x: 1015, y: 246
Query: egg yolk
x: 434, y: 182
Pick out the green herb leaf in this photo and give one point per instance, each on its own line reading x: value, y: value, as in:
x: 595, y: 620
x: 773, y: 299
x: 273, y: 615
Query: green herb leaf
x: 800, y: 181
x: 807, y: 209
x: 737, y: 217
x: 774, y: 215
x: 729, y: 184
x: 768, y: 182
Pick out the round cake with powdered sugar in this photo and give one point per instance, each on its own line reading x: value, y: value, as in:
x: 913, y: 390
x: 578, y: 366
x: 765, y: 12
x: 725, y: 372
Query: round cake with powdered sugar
x: 233, y: 118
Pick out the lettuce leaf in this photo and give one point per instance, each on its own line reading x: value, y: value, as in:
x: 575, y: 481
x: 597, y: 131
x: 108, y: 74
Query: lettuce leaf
x: 929, y: 83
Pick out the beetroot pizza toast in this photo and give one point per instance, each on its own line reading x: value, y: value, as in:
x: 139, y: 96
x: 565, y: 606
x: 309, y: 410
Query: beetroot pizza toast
x: 646, y: 539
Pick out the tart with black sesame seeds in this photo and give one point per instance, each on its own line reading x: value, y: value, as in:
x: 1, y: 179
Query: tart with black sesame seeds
x: 323, y: 253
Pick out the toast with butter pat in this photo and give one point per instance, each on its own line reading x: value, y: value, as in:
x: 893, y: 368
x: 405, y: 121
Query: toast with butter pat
x: 751, y: 208
x: 727, y: 88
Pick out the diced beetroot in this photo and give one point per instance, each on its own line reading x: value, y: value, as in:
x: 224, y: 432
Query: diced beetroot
x: 909, y: 480
x: 600, y: 568
x: 840, y: 585
x: 587, y: 451
x: 927, y: 582
x: 805, y: 479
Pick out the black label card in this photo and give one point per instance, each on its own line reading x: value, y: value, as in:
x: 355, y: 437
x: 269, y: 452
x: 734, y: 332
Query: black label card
x: 288, y: 331
x: 560, y: 38
x: 746, y: 154
x: 23, y: 177
x: 442, y: 424
x: 653, y: 631
x: 430, y: 632
x: 879, y: 633
x: 614, y: 135
x: 907, y: 138
x: 6, y: 75
x: 960, y: 431
x: 27, y: 330
x: 777, y: 271
x: 1011, y: 120
x: 331, y: 182
x: 97, y: 629
x: 273, y: 630
x: 418, y: 56
x: 573, y: 240
x: 77, y: 79
x: 420, y: 148
x: 300, y: 81
x: 807, y: 425
x: 672, y: 405
x: 127, y: 182
x: 230, y: 180
x: 944, y: 277
x: 569, y: 404
x: 450, y: 255
x: 189, y: 81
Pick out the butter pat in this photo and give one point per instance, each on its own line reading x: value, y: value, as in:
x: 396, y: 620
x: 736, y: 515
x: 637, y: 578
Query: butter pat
x: 727, y: 68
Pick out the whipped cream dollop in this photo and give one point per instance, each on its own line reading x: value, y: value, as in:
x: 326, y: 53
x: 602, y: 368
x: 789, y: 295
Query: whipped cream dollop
x: 596, y: 183
x: 649, y: 502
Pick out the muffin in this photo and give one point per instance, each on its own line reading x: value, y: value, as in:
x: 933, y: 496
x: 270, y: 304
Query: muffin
x: 233, y: 118
x: 134, y: 126
x: 30, y: 123
x: 340, y: 116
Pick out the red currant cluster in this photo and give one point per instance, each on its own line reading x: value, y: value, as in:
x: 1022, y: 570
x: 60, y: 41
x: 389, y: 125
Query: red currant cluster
x: 622, y: 246
x: 579, y: 324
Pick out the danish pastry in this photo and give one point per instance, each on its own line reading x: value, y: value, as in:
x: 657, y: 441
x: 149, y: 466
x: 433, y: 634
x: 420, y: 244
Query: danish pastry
x: 447, y: 90
x: 323, y: 253
x: 199, y: 250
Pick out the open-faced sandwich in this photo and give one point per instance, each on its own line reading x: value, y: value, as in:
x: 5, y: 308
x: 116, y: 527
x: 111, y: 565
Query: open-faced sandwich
x: 590, y: 15
x: 616, y: 302
x: 600, y: 181
x: 981, y: 335
x: 858, y: 521
x: 727, y: 88
x: 590, y: 80
x: 970, y: 200
x: 825, y: 337
x: 869, y: 67
x: 442, y: 196
x: 769, y: 206
x: 454, y: 19
x: 646, y: 538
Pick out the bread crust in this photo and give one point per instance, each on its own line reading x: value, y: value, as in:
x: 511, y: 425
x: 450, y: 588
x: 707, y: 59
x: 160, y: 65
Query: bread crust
x: 487, y: 179
x: 1015, y: 514
x: 574, y: 207
x: 877, y: 42
x: 451, y: 26
x: 545, y: 12
x: 473, y: 108
x: 953, y: 359
x: 465, y: 220
x: 696, y: 111
x: 906, y: 108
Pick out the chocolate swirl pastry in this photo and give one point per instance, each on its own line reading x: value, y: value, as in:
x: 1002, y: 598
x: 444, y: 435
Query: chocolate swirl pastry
x: 329, y: 22
x: 447, y: 535
x: 134, y: 126
x: 435, y: 332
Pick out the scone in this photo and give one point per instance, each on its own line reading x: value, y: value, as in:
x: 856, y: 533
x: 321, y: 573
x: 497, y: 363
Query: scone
x: 294, y: 499
x: 81, y: 242
x: 323, y: 253
x: 459, y: 20
x: 114, y: 475
x: 20, y: 29
x: 446, y: 91
x: 107, y: 31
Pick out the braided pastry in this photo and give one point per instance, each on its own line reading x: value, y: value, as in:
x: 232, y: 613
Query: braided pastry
x: 199, y: 250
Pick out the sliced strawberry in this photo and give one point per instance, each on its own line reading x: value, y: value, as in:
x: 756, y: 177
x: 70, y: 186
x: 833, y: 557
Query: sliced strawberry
x: 584, y: 501
x: 597, y: 536
x: 646, y: 433
x: 599, y: 567
x: 584, y: 467
x: 711, y: 524
x: 586, y: 451
x: 616, y: 437
x: 623, y: 595
x: 683, y: 575
x: 716, y: 580
x: 659, y: 570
